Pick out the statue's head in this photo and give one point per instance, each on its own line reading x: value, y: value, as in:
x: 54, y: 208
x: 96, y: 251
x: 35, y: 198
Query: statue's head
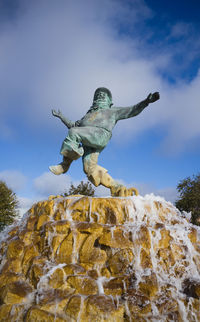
x: 102, y: 98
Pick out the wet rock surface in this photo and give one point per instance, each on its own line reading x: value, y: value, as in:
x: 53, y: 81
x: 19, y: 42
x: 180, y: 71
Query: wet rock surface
x: 101, y: 259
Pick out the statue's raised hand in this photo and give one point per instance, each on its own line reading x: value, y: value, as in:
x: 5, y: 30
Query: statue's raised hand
x: 153, y: 97
x: 56, y: 114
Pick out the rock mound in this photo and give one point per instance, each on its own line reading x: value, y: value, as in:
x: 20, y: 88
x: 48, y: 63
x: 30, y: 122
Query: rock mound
x: 101, y: 259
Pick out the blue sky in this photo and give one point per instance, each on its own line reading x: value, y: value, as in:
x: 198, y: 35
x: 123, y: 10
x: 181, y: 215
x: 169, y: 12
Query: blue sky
x: 54, y: 54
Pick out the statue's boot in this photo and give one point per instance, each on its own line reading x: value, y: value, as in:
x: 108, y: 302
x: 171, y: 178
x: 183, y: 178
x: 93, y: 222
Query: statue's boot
x: 99, y: 176
x: 61, y: 167
x: 118, y: 190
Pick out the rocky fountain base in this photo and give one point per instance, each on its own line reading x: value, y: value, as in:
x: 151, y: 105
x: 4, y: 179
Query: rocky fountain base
x: 101, y: 259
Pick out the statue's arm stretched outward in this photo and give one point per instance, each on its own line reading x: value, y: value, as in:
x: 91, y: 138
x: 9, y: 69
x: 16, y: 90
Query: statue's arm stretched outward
x: 126, y: 112
x: 65, y: 120
x: 97, y: 174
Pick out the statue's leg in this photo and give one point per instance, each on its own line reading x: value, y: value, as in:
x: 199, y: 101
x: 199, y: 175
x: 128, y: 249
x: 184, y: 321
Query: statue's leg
x: 61, y: 167
x: 99, y: 176
x: 88, y: 136
x: 72, y: 148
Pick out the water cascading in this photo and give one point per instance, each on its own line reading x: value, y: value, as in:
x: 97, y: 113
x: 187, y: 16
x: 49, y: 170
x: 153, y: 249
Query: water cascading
x: 101, y: 259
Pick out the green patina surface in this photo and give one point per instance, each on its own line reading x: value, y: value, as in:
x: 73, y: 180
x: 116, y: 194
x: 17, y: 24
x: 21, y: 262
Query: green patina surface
x: 95, y: 128
x: 91, y: 134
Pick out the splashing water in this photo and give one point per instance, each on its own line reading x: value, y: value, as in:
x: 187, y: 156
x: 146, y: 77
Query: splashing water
x: 138, y: 254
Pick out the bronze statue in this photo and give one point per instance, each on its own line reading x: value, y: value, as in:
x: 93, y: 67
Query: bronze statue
x: 89, y: 136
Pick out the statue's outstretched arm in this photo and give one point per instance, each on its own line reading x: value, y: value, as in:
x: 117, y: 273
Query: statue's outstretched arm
x: 126, y: 112
x: 66, y: 121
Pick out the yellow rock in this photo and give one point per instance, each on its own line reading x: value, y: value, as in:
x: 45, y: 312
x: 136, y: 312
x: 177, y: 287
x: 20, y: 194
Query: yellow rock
x: 120, y: 261
x: 145, y: 259
x: 74, y: 306
x: 36, y: 270
x: 57, y: 306
x: 114, y: 287
x: 149, y: 285
x: 57, y: 278
x: 164, y: 242
x: 105, y: 272
x: 52, y: 296
x: 29, y: 254
x: 9, y: 277
x: 109, y: 211
x: 17, y: 313
x: 93, y: 273
x: 60, y: 227
x: 42, y: 220
x: 193, y: 235
x: 35, y: 314
x: 117, y: 238
x: 139, y: 305
x: 64, y: 254
x: 15, y: 292
x: 13, y: 265
x: 81, y: 204
x: 5, y: 312
x: 45, y: 207
x: 74, y: 269
x: 88, y: 266
x: 36, y: 237
x: 195, y: 305
x: 143, y: 238
x: 166, y: 304
x: 3, y: 248
x: 100, y: 259
x: 26, y: 236
x: 31, y: 222
x: 78, y: 215
x: 177, y: 252
x: 166, y: 259
x: 89, y: 253
x: 60, y: 211
x: 83, y: 285
x: 69, y: 247
x: 51, y: 197
x: 14, y: 231
x: 85, y: 227
x: 101, y: 308
x: 35, y: 274
x: 15, y: 249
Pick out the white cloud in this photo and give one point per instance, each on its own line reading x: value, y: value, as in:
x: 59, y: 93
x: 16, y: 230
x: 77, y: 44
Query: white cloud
x: 168, y: 193
x: 64, y: 50
x: 14, y: 179
x: 25, y: 204
x: 102, y: 191
x: 50, y: 184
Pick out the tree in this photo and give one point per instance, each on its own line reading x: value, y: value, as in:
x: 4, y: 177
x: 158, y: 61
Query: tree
x: 83, y: 188
x: 189, y: 190
x: 8, y: 205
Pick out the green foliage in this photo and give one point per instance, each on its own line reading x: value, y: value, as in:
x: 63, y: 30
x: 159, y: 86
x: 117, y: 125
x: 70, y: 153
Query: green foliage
x: 189, y: 190
x: 8, y: 204
x: 83, y: 188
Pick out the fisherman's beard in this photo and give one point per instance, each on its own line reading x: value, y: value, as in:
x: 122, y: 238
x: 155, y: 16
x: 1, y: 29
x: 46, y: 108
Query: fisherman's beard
x: 101, y: 104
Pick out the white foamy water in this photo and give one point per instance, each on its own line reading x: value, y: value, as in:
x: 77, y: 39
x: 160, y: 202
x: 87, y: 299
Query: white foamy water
x: 150, y: 214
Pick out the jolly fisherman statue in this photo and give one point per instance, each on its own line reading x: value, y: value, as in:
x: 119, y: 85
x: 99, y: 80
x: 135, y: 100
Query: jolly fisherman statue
x: 89, y: 136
